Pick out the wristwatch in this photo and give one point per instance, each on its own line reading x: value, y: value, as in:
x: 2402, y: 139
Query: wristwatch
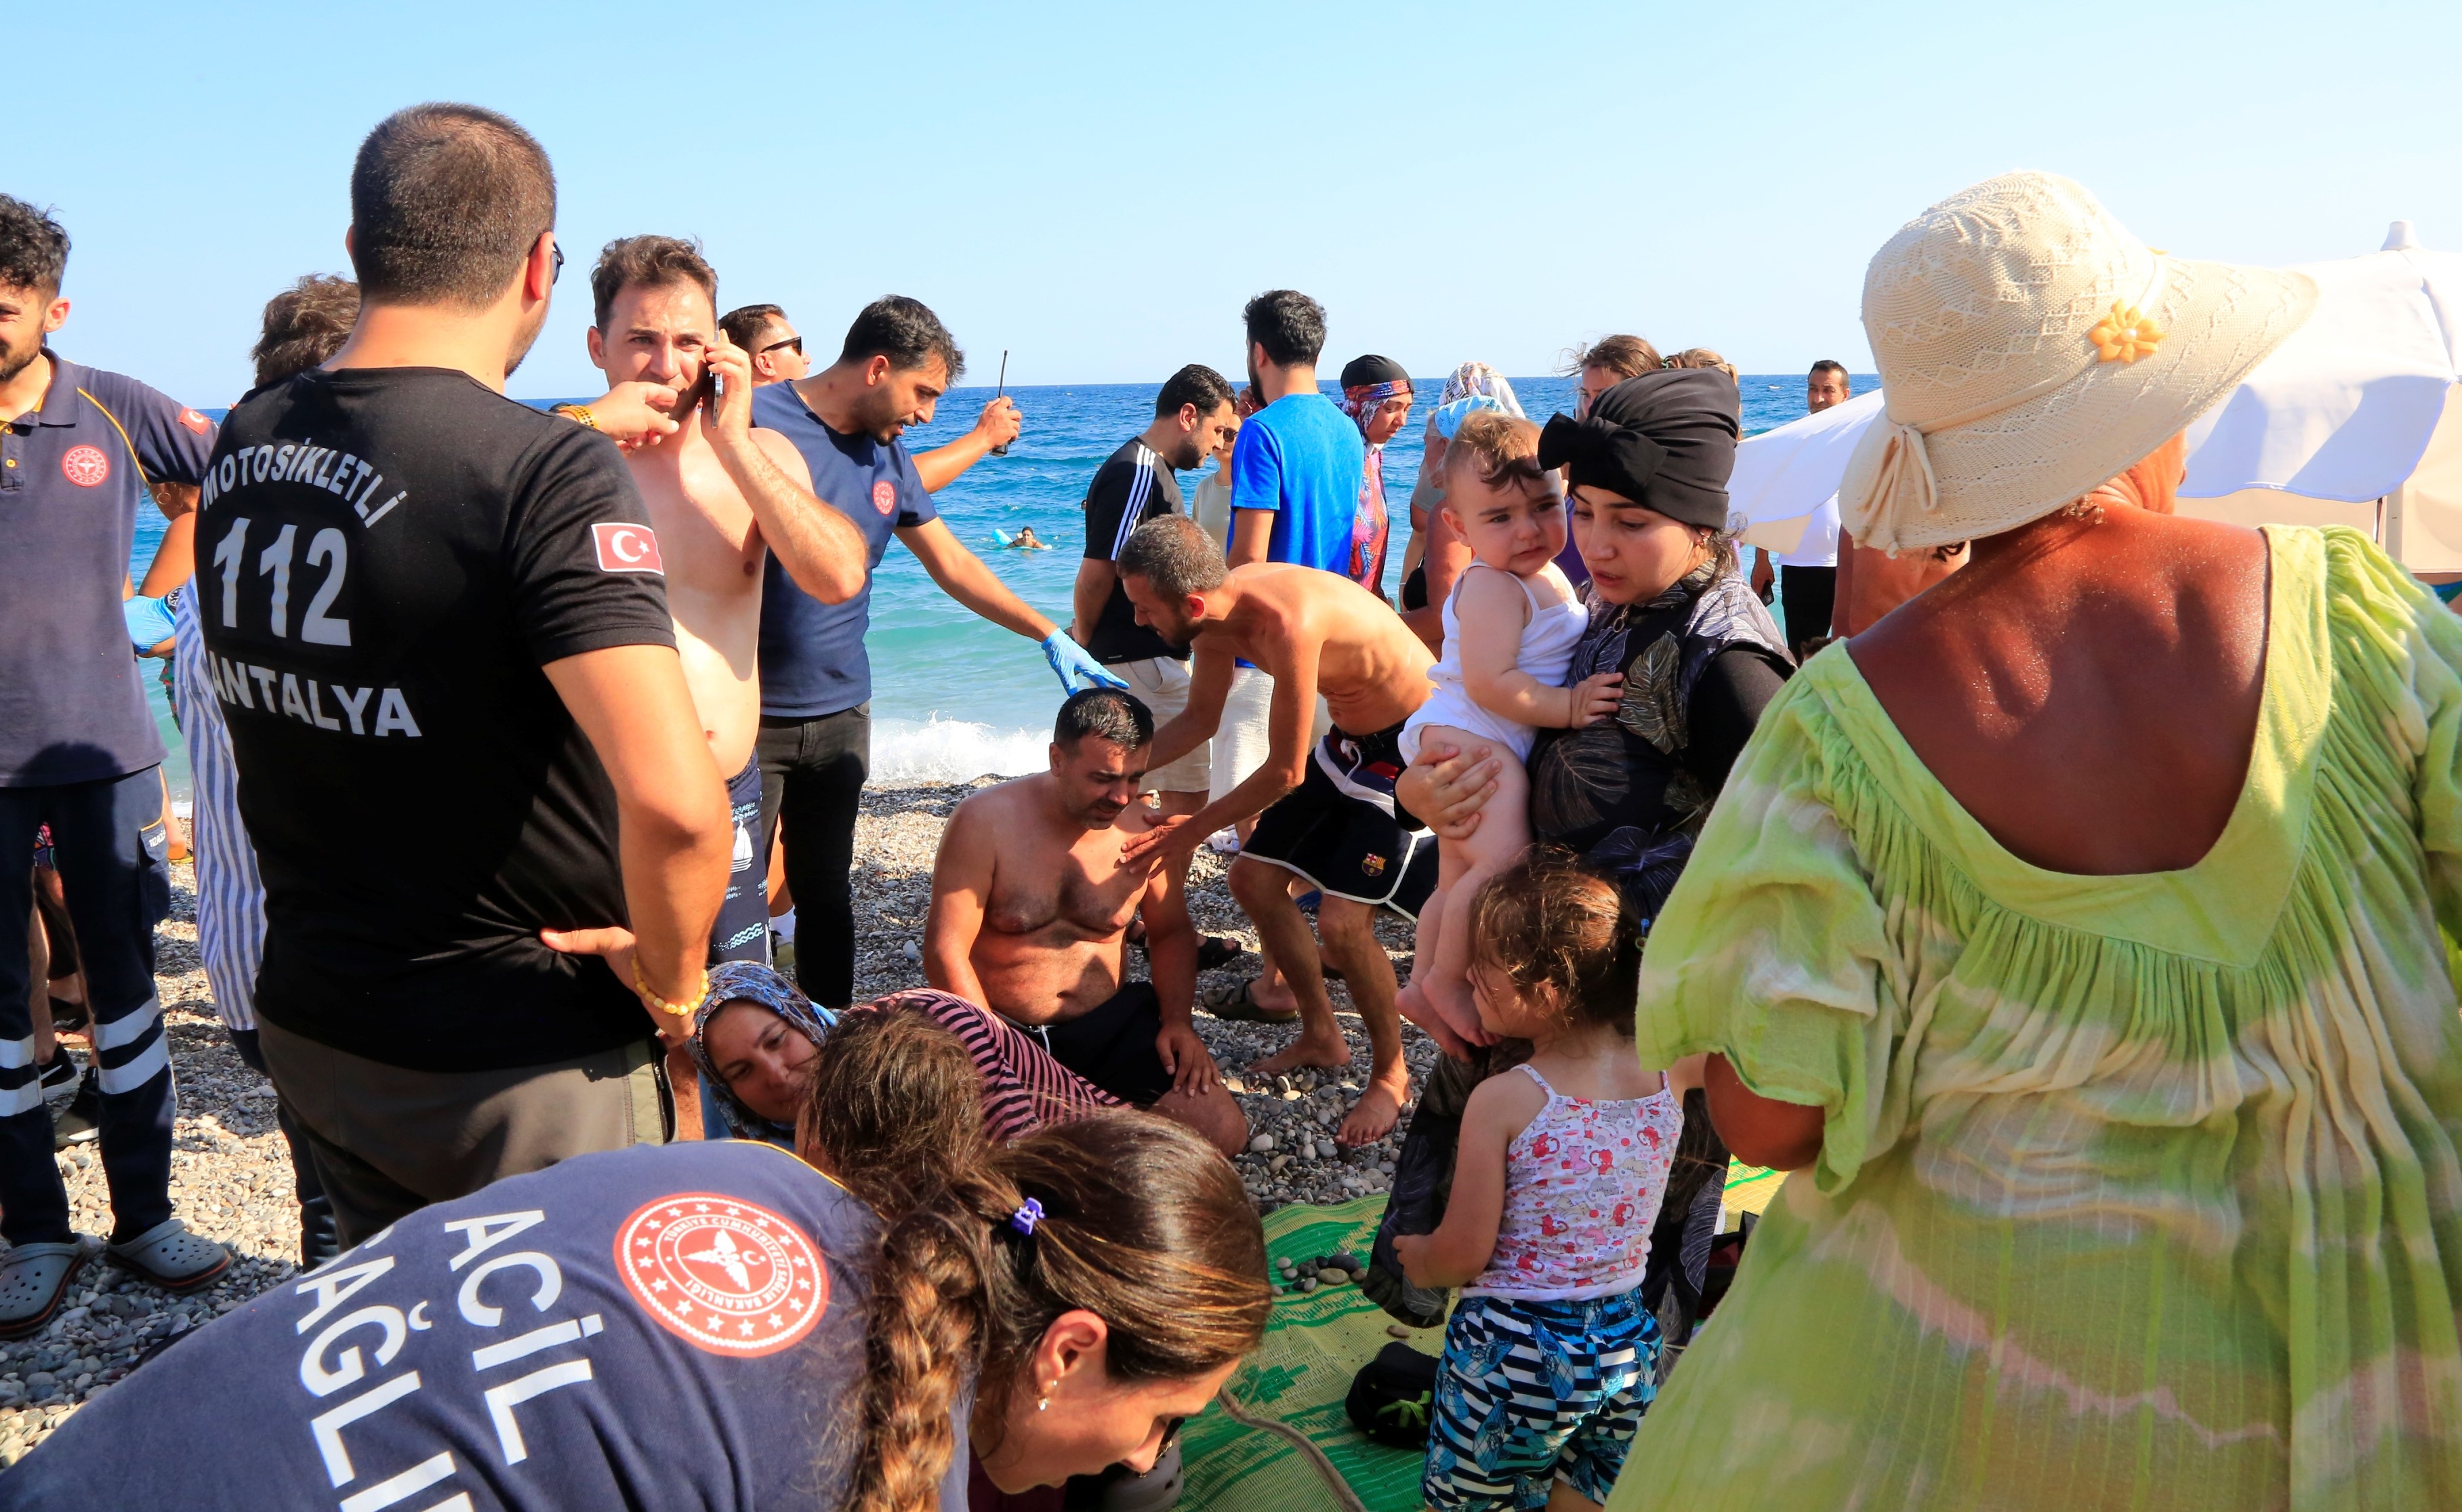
x: 576, y: 412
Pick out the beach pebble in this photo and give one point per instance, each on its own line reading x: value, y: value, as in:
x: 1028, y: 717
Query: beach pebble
x: 1261, y: 1144
x: 1332, y: 1276
x: 1307, y: 1283
x: 1349, y: 1262
x: 910, y: 953
x: 1397, y: 1330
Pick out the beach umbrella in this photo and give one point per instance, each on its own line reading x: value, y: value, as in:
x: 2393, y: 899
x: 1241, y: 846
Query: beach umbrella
x: 2353, y: 420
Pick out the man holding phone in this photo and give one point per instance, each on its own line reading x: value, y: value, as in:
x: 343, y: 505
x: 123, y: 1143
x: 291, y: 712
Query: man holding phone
x: 721, y: 496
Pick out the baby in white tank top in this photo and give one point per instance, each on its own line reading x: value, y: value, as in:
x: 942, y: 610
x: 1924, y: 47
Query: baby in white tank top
x: 1511, y: 622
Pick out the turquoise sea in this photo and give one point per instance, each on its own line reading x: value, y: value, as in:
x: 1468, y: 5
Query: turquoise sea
x: 954, y: 696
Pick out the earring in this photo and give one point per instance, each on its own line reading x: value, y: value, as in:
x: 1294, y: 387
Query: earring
x: 1042, y: 1403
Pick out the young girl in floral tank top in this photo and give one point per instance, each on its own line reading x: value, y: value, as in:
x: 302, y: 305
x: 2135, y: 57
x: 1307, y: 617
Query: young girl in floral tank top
x: 1549, y: 1357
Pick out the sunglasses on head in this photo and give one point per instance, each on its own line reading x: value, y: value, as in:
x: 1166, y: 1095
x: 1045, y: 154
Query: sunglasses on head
x: 796, y: 342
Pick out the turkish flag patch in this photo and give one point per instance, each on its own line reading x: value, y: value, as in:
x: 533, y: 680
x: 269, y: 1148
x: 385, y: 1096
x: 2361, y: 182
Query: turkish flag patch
x: 195, y: 422
x: 627, y: 548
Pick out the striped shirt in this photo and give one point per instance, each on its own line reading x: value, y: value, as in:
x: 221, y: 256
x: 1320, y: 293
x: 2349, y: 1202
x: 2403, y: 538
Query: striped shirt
x: 231, y: 898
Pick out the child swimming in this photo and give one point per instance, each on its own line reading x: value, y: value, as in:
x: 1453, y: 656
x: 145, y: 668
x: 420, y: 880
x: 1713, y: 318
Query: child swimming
x: 1511, y: 625
x: 1550, y: 1357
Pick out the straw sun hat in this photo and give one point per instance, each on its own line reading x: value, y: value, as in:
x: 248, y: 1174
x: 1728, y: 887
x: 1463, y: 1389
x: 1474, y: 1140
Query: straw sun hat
x: 2030, y: 349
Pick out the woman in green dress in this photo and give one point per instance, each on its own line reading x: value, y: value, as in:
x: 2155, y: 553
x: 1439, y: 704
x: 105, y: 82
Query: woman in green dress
x: 2079, y: 935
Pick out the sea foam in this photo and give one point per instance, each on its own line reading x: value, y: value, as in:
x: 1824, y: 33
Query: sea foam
x: 938, y: 749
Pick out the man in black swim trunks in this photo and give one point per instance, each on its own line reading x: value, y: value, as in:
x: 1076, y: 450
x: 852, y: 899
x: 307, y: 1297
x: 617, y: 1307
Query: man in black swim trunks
x: 1031, y: 902
x: 1328, y: 809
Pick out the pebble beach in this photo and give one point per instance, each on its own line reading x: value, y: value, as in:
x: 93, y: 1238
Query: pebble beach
x: 231, y: 1171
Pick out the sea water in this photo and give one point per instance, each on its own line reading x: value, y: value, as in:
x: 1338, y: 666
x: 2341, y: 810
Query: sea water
x: 955, y: 696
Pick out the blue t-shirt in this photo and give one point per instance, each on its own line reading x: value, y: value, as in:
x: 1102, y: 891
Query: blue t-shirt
x: 812, y: 661
x: 1302, y: 458
x: 676, y: 1325
x: 72, y: 475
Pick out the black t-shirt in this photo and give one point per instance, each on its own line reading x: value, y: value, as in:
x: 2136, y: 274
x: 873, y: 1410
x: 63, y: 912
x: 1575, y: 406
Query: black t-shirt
x: 1133, y: 486
x: 385, y: 559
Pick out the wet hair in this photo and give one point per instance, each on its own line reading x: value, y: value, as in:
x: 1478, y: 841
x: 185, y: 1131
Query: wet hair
x: 1703, y: 358
x: 652, y: 262
x: 33, y: 248
x: 1143, y: 1225
x: 1825, y: 365
x: 1106, y: 714
x: 1624, y: 356
x: 304, y: 325
x: 1194, y: 384
x: 1174, y: 552
x: 904, y: 331
x: 746, y: 324
x: 1288, y: 324
x: 891, y: 1095
x: 1559, y: 933
x: 446, y: 201
x: 1499, y: 450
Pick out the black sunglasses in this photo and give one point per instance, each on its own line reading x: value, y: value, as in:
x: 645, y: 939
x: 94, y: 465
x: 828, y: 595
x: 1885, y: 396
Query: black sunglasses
x: 558, y: 250
x: 797, y: 342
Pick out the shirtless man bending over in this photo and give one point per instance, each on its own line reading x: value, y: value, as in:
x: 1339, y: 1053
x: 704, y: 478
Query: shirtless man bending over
x: 720, y: 494
x: 1031, y: 900
x: 1328, y: 813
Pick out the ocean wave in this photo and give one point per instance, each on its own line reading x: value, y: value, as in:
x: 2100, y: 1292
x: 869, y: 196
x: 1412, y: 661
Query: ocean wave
x: 938, y: 749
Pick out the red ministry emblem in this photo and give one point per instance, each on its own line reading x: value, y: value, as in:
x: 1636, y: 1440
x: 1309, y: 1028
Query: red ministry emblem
x: 722, y: 1274
x: 86, y: 466
x: 627, y: 548
x: 884, y: 496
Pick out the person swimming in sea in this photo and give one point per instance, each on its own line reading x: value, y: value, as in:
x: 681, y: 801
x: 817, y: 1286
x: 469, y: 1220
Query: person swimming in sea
x: 1023, y: 540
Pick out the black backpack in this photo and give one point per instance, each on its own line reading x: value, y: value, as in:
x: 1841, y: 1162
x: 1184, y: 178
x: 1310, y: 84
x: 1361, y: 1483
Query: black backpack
x: 1392, y: 1397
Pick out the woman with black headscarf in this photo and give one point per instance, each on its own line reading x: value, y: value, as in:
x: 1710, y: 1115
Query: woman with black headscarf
x: 1702, y: 658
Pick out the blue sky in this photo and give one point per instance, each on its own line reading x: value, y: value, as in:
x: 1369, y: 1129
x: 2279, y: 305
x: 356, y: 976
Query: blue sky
x: 1099, y: 188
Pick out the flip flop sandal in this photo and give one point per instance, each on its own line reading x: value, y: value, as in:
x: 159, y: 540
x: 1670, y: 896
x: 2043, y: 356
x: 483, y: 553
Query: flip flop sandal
x: 1215, y: 951
x: 33, y: 1280
x: 1237, y: 1004
x: 172, y: 1258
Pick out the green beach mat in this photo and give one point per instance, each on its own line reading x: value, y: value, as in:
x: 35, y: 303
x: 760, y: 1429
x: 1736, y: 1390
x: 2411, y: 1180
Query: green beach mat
x: 1314, y: 1344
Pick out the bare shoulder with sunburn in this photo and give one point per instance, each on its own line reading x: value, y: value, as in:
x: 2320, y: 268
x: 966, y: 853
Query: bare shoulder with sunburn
x: 1371, y: 668
x: 712, y: 551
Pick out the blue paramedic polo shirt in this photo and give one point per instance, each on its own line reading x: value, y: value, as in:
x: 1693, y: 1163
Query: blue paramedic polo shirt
x: 72, y: 475
x: 812, y: 661
x: 664, y: 1326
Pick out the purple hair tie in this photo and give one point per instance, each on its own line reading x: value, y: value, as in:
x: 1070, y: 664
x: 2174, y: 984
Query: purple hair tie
x: 1025, y: 1217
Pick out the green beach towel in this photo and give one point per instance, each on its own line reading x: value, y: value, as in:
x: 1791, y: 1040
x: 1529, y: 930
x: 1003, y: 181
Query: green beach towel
x: 1314, y: 1344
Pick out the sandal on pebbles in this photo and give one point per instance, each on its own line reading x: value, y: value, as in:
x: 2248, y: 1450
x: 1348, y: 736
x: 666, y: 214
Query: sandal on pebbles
x: 1237, y: 1004
x: 172, y: 1258
x: 33, y: 1278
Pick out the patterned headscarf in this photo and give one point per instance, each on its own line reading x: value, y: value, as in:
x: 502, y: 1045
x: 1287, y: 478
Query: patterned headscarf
x: 1369, y: 528
x: 750, y: 981
x: 1479, y: 381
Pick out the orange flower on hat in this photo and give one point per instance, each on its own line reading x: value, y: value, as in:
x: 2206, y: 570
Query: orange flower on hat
x: 2124, y: 334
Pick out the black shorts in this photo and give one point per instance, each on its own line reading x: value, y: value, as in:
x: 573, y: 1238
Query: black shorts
x: 1113, y: 1044
x: 740, y: 931
x: 1342, y: 830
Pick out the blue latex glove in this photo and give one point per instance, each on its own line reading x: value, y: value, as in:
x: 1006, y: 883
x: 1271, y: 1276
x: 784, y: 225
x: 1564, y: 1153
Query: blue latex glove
x: 1070, y: 661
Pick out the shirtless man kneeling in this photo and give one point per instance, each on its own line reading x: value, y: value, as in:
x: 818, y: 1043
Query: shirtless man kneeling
x: 720, y: 494
x: 1032, y: 899
x: 1330, y: 815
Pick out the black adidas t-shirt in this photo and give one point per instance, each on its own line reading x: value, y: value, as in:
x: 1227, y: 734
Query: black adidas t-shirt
x: 1133, y: 486
x: 385, y: 559
x: 665, y: 1326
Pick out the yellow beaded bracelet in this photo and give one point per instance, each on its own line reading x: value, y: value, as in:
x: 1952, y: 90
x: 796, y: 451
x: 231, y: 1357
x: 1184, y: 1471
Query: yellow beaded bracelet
x: 671, y: 1009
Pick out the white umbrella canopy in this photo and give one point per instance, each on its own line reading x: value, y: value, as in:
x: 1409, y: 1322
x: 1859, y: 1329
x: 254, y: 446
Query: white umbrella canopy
x: 2353, y: 420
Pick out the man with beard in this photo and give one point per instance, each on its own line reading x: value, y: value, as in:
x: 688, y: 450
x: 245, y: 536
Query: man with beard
x: 1031, y: 897
x: 424, y: 599
x: 78, y: 752
x: 1192, y: 416
x: 815, y: 739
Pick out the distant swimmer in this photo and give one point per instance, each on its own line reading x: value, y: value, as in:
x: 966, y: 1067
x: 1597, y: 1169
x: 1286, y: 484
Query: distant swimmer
x: 1023, y: 540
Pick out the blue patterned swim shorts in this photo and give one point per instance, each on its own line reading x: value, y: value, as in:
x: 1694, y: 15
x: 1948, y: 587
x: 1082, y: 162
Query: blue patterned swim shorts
x: 1532, y: 1392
